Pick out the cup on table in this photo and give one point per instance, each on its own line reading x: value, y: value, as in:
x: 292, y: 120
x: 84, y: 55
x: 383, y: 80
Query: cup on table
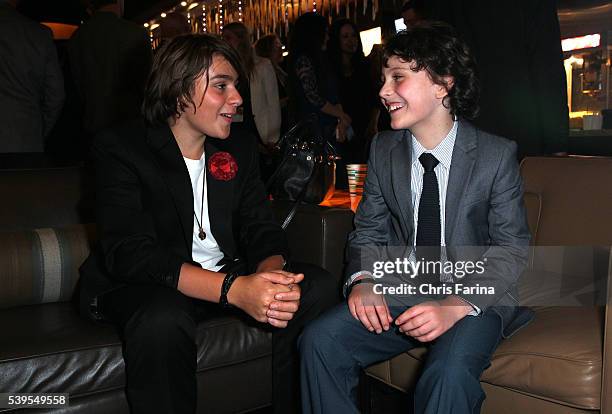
x: 591, y: 122
x: 356, y: 179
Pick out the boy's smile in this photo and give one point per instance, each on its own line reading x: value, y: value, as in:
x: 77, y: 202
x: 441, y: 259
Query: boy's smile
x: 413, y: 100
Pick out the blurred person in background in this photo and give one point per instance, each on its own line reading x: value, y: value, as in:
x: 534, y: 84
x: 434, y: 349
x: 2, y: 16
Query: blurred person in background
x: 414, y: 11
x: 262, y: 83
x: 313, y: 87
x: 31, y: 82
x: 357, y: 94
x: 262, y: 92
x: 270, y: 46
x: 174, y: 24
x: 110, y: 59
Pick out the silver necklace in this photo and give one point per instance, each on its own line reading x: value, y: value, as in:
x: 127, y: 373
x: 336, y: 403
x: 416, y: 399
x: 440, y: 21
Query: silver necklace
x: 201, y: 232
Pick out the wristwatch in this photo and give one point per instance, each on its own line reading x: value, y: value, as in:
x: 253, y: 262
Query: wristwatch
x: 357, y: 282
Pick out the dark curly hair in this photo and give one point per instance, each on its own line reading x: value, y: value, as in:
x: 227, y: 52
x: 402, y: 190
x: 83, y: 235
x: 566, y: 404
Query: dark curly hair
x: 436, y: 48
x: 176, y: 67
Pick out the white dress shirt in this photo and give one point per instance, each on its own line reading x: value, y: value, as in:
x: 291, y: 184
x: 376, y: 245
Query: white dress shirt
x: 444, y: 154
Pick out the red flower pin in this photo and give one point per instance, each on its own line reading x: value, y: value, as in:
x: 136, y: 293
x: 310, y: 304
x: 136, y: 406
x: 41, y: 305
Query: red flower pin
x: 222, y: 166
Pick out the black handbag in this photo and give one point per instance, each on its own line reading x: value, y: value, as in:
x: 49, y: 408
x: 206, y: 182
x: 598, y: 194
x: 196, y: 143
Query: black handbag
x: 307, y: 167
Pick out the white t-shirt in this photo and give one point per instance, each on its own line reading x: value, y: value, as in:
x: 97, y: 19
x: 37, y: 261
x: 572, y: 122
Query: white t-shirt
x: 206, y: 252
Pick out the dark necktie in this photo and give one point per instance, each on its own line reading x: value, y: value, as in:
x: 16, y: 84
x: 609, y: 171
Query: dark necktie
x: 429, y: 227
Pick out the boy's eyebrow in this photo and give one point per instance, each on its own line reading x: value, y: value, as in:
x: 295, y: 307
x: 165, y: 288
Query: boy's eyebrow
x: 223, y: 76
x: 398, y: 67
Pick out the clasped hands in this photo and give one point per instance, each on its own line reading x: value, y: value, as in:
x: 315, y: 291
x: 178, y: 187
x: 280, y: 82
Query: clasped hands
x: 270, y: 295
x: 424, y: 322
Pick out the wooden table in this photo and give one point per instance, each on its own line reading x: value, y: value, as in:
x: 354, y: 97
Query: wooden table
x: 340, y: 199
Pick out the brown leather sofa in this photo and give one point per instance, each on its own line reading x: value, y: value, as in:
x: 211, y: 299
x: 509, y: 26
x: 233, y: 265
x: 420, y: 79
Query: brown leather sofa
x: 47, y: 347
x: 562, y: 361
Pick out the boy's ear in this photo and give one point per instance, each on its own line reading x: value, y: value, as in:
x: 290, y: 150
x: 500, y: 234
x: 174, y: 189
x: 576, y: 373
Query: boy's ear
x: 448, y: 81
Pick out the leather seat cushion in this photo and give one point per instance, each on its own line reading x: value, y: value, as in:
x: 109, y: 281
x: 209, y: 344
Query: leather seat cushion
x: 50, y: 348
x: 557, y: 357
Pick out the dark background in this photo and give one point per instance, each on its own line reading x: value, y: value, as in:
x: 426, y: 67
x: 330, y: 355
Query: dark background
x: 74, y: 11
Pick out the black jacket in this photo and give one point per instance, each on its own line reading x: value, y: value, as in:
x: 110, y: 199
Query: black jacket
x: 145, y: 211
x: 31, y: 82
x: 110, y: 60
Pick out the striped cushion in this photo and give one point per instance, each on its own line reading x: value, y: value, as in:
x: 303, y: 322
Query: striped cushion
x: 42, y: 265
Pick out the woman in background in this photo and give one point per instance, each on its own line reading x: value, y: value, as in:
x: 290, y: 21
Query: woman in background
x: 270, y: 46
x: 262, y: 83
x: 263, y: 92
x: 313, y: 88
x: 357, y: 94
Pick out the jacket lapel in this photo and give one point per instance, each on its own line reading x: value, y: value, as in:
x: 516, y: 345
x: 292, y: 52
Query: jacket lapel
x: 220, y: 198
x: 464, y: 158
x: 400, y: 178
x: 174, y: 172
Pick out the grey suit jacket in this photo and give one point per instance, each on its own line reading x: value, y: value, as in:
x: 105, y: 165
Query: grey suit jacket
x: 31, y: 82
x: 485, y: 216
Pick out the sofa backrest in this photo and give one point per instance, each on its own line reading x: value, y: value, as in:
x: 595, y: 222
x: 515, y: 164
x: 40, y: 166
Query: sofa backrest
x: 42, y: 265
x: 569, y: 209
x: 569, y: 200
x: 45, y: 197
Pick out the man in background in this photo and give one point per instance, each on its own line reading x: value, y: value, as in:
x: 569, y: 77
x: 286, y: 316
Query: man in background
x: 413, y: 11
x: 110, y: 59
x: 31, y: 82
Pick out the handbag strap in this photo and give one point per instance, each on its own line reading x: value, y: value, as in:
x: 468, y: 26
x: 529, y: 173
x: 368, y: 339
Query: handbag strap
x: 297, y: 202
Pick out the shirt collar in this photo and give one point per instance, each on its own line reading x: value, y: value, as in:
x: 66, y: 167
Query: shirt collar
x: 443, y: 151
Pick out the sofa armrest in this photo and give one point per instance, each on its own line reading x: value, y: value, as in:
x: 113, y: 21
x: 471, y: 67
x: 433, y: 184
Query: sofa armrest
x: 606, y: 375
x: 317, y: 235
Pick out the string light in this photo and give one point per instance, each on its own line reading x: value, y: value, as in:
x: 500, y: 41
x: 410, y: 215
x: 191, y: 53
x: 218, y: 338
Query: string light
x: 314, y: 6
x: 204, y: 18
x: 189, y: 18
x: 240, y: 10
x: 221, y: 14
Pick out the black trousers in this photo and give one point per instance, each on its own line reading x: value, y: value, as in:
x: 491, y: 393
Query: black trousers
x: 158, y: 326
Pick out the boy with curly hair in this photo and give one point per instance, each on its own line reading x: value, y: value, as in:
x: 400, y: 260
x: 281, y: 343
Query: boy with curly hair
x: 435, y: 185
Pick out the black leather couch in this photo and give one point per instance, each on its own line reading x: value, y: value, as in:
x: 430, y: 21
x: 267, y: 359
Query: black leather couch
x: 47, y: 347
